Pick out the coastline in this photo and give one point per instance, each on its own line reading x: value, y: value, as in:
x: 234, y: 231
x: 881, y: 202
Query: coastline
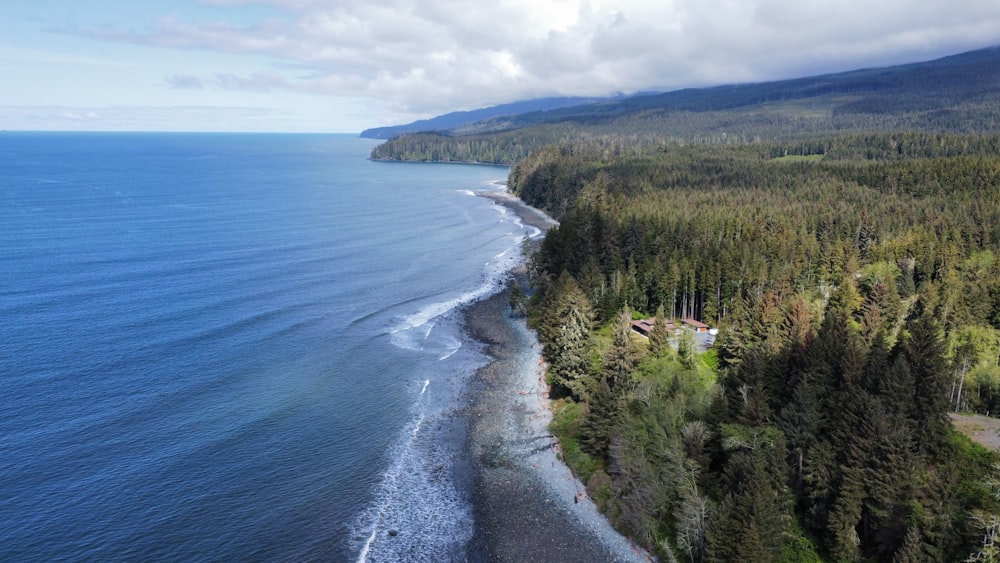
x: 530, y: 215
x: 527, y: 504
x: 473, y: 162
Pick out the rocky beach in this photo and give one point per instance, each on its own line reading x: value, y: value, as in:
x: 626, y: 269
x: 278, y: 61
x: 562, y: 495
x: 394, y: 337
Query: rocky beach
x: 526, y: 503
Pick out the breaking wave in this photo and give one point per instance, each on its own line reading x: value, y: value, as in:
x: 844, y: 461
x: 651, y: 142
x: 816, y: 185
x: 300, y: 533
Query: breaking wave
x: 419, y: 512
x: 416, y: 331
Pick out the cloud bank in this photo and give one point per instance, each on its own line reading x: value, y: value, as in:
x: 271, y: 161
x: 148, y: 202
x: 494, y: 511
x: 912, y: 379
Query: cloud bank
x: 435, y: 56
x: 144, y: 118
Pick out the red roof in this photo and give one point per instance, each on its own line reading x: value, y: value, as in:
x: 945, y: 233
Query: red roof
x: 694, y: 324
x: 645, y: 325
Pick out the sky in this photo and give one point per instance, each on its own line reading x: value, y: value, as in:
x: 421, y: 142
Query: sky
x: 347, y: 65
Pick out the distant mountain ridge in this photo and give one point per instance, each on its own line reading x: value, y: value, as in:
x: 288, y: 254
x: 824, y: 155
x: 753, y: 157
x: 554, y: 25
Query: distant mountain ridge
x: 456, y: 119
x: 956, y: 94
x: 967, y: 77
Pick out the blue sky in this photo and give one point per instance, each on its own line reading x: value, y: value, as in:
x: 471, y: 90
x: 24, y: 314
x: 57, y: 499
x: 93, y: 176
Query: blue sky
x: 345, y: 65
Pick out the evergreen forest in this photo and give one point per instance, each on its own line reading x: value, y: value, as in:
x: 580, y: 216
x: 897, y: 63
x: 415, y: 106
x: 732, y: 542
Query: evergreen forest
x: 855, y: 284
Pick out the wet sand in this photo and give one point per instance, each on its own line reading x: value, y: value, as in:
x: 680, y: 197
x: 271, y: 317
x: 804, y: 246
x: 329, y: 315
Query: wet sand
x: 526, y: 503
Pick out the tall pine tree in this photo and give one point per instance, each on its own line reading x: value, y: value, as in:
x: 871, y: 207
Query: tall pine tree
x: 924, y: 352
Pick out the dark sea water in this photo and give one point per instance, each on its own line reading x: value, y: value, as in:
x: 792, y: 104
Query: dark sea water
x: 236, y: 347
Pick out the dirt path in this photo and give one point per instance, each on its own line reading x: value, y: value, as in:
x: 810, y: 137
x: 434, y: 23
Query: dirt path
x: 983, y: 430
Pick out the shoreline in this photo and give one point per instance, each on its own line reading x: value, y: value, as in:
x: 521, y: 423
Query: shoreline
x: 472, y: 162
x: 526, y: 503
x: 530, y: 215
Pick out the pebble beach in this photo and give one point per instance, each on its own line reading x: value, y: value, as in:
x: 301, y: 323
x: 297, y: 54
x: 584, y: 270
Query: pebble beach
x: 526, y: 503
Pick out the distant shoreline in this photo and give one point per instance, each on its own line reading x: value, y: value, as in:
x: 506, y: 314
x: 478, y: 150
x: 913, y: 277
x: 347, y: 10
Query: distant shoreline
x: 471, y: 162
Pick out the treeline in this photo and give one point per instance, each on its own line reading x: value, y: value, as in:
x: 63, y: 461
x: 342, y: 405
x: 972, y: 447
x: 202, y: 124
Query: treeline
x: 953, y: 95
x: 805, y: 123
x: 791, y: 125
x: 857, y: 285
x: 440, y: 147
x: 694, y: 227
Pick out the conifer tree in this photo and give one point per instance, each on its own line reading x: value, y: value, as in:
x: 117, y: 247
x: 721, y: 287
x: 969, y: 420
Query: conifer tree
x: 896, y: 391
x: 804, y: 419
x: 819, y: 484
x: 620, y: 359
x: 924, y: 351
x: 889, y: 466
x: 686, y: 350
x: 827, y: 350
x: 871, y: 320
x: 910, y: 551
x: 752, y: 521
x: 601, y: 418
x: 736, y: 338
x: 850, y: 366
x: 877, y: 365
x: 658, y: 337
x: 845, y: 515
x: 846, y: 300
x: 799, y: 332
x: 568, y: 330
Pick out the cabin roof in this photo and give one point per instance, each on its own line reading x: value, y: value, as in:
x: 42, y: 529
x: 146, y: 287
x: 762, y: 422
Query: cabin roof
x: 694, y: 324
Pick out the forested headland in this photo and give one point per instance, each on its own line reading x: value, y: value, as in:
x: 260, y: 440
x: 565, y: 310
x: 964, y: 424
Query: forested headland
x: 843, y: 234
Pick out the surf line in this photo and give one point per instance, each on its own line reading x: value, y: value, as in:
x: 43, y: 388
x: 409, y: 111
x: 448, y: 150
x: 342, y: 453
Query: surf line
x: 393, y: 476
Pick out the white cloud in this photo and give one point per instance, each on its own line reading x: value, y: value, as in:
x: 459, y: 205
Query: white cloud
x: 438, y: 55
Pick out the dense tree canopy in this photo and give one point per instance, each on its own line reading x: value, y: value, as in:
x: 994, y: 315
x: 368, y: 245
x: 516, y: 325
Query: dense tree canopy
x: 856, y: 283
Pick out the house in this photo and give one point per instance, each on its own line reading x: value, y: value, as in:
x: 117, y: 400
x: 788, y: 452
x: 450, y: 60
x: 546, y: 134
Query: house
x: 645, y: 326
x: 694, y: 325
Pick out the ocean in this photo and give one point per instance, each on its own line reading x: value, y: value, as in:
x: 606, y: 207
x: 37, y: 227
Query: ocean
x: 237, y: 346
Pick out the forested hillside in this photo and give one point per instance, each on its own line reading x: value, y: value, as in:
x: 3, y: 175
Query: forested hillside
x: 457, y: 119
x: 955, y: 94
x: 856, y: 282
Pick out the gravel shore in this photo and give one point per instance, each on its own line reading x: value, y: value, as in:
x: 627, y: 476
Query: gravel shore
x: 526, y: 503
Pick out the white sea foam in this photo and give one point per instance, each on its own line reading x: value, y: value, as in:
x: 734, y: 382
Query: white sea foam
x: 418, y: 513
x: 449, y: 353
x: 416, y: 331
x: 533, y: 232
x: 390, y: 483
x: 49, y: 181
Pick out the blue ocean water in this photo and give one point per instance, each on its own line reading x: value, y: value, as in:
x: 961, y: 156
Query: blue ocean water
x: 236, y: 347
